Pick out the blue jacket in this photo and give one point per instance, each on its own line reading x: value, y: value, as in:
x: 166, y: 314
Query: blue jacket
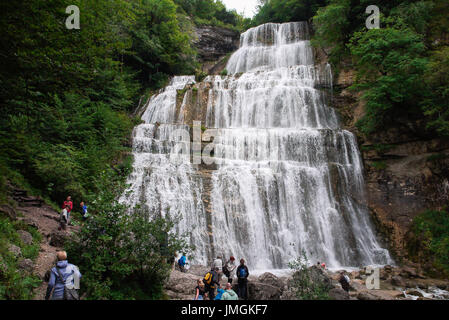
x: 68, y: 271
x: 219, y: 294
x: 182, y: 261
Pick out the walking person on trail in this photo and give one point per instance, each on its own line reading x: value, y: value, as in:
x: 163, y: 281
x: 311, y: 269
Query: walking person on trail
x: 69, y: 203
x: 64, y: 218
x: 84, y: 210
x: 242, y: 278
x: 200, y: 290
x: 344, y: 281
x: 218, y: 263
x: 229, y: 294
x: 211, y: 282
x: 229, y: 269
x: 182, y: 262
x: 64, y: 280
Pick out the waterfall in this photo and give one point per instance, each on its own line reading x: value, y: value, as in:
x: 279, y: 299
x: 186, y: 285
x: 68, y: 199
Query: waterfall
x: 287, y: 179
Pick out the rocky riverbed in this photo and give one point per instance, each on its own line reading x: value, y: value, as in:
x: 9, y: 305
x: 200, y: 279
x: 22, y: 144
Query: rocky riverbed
x: 396, y: 283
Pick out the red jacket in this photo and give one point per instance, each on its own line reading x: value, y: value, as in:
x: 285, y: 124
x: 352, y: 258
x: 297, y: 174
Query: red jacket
x: 70, y: 203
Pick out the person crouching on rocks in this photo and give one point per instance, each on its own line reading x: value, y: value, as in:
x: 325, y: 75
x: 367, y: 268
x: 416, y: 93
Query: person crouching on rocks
x: 200, y: 290
x: 344, y: 281
x: 211, y: 282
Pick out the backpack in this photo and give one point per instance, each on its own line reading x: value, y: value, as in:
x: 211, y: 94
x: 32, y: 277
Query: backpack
x: 208, y: 279
x: 242, y: 273
x: 226, y: 271
x: 69, y: 294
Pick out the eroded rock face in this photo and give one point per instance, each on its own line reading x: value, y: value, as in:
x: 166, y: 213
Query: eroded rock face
x: 405, y: 173
x: 215, y: 42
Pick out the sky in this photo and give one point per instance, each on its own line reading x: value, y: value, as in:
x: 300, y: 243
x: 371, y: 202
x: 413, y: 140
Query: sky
x: 246, y: 6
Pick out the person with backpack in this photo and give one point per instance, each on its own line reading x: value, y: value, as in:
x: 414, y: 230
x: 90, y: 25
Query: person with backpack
x: 229, y: 294
x: 84, y: 210
x: 64, y: 218
x: 211, y: 282
x: 242, y: 278
x: 344, y: 281
x: 64, y: 280
x: 182, y: 262
x: 229, y: 269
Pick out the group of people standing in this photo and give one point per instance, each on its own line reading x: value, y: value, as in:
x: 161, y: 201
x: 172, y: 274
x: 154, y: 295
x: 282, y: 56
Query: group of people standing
x: 67, y: 208
x: 210, y: 286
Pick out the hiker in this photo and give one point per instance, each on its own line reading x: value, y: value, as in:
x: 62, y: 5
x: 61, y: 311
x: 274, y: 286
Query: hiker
x: 200, y: 290
x: 64, y: 280
x: 323, y: 265
x: 218, y: 263
x: 84, y: 210
x: 242, y: 278
x: 64, y: 218
x: 182, y: 262
x: 318, y: 265
x: 344, y: 281
x: 229, y: 294
x: 229, y: 269
x: 70, y: 204
x: 220, y: 292
x: 211, y: 281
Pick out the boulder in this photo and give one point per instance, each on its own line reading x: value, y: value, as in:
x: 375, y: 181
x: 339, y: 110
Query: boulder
x: 25, y: 236
x: 338, y: 294
x: 263, y: 291
x: 271, y: 279
x: 58, y: 239
x: 398, y: 281
x: 15, y: 250
x: 181, y: 285
x: 26, y: 265
x: 414, y: 292
x: 198, y: 270
x: 8, y: 211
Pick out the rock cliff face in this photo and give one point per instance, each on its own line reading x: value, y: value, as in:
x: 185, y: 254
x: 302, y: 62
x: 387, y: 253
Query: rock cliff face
x: 213, y: 45
x: 405, y: 173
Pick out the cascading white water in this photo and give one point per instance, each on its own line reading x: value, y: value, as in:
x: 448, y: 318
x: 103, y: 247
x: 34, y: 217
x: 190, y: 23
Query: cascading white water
x: 288, y: 177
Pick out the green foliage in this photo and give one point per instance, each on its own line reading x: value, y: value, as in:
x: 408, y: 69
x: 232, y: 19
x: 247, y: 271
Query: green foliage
x: 224, y: 73
x: 121, y: 255
x: 401, y: 67
x: 305, y: 284
x: 286, y: 10
x: 16, y: 283
x: 378, y: 165
x: 389, y: 65
x: 430, y: 239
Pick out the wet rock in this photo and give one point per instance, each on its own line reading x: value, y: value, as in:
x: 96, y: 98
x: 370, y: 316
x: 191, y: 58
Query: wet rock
x: 15, y: 250
x: 398, y: 281
x: 25, y: 236
x: 366, y: 295
x: 26, y: 265
x: 338, y: 294
x: 414, y: 292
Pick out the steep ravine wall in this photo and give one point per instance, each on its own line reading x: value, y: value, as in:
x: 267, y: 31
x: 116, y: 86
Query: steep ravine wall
x: 405, y: 174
